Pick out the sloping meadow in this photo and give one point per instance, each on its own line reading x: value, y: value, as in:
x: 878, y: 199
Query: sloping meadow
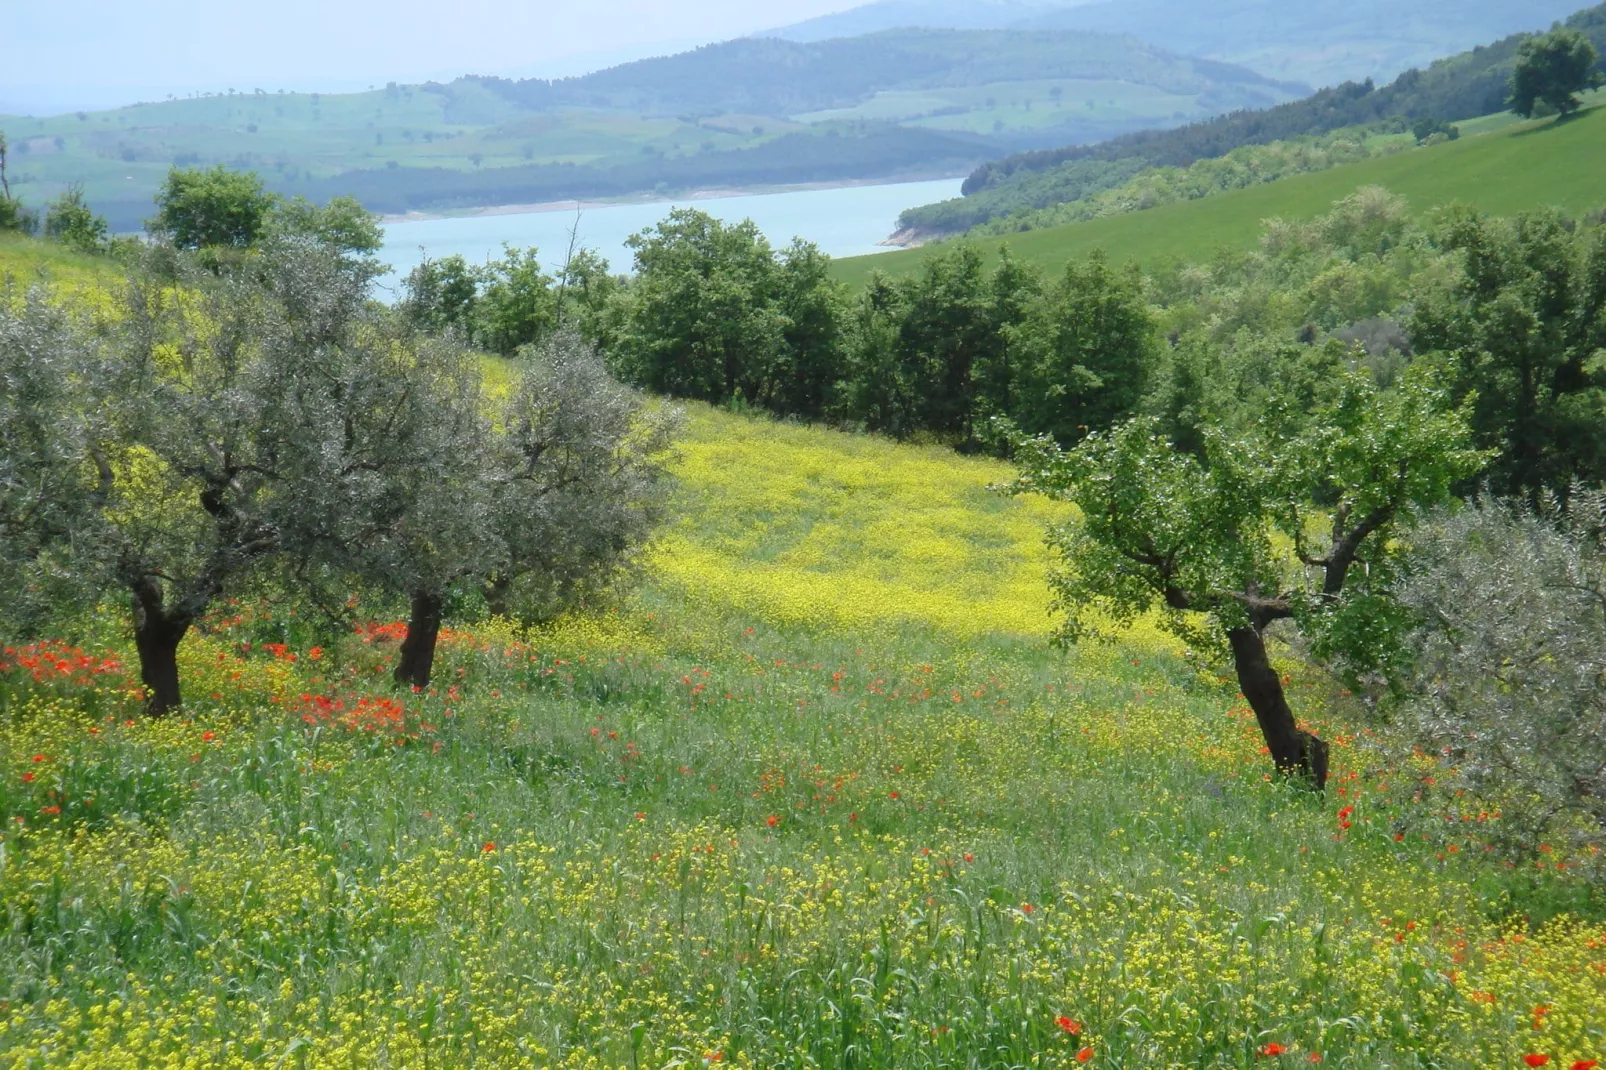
x: 820, y: 793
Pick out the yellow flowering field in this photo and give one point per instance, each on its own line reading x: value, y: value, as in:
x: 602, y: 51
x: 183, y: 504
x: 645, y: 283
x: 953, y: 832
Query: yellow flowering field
x: 819, y: 794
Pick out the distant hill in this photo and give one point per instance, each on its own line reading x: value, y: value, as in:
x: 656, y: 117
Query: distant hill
x: 901, y: 14
x: 1471, y: 84
x: 1318, y: 42
x: 754, y: 111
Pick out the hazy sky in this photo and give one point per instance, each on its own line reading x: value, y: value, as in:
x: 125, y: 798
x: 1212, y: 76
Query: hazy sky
x: 67, y: 54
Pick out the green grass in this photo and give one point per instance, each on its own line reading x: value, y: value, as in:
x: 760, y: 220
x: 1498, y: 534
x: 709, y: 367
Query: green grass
x: 25, y: 261
x: 820, y: 795
x: 1514, y: 167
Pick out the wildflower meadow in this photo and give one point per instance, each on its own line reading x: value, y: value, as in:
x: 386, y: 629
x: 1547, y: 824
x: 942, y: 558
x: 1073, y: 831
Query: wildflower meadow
x: 819, y: 793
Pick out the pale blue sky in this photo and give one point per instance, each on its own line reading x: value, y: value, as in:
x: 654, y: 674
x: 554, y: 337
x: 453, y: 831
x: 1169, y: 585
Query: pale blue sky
x: 66, y: 54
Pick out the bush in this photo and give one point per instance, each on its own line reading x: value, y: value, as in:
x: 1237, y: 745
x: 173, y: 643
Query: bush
x: 1509, y: 684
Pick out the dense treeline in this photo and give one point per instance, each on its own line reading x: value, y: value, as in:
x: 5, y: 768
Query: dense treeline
x: 1515, y: 311
x: 1460, y: 87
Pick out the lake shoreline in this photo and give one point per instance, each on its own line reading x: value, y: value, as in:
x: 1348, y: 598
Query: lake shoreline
x: 710, y: 194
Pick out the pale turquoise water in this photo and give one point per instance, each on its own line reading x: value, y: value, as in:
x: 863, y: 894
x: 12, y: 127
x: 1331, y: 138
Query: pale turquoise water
x: 842, y: 222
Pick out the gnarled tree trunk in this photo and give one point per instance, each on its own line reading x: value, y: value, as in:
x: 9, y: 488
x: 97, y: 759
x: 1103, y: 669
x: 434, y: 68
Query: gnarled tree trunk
x: 1297, y: 753
x: 418, y: 649
x: 157, y: 634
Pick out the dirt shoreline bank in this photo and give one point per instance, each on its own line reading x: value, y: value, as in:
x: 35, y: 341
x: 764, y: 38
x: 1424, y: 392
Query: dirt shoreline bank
x: 713, y: 193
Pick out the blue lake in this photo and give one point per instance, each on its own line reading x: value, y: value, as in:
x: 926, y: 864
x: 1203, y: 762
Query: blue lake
x: 849, y: 221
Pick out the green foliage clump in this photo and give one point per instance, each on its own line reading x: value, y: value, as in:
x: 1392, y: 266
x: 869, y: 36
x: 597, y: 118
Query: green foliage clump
x: 215, y: 209
x: 71, y: 221
x: 1522, y: 320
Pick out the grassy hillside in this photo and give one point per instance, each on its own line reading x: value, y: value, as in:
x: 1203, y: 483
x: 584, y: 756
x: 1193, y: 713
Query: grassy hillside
x: 24, y: 261
x: 1513, y: 167
x: 908, y: 102
x: 819, y: 796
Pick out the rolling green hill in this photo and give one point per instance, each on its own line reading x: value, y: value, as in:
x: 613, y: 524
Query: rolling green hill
x: 744, y: 112
x: 1514, y: 167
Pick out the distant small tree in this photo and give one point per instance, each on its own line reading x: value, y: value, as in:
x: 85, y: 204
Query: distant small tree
x: 518, y: 302
x: 1227, y: 546
x: 343, y: 226
x: 13, y: 216
x: 703, y: 322
x: 441, y: 295
x: 217, y: 209
x: 1552, y: 69
x: 1086, y: 351
x: 69, y: 220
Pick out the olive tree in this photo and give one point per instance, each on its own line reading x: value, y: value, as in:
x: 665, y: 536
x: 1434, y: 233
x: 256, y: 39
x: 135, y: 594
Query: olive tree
x: 581, y: 485
x: 176, y: 435
x: 1292, y: 520
x: 1508, y: 685
x: 536, y: 501
x: 47, y: 498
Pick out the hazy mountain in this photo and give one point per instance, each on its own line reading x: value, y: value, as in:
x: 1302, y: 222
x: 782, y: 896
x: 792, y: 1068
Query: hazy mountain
x: 930, y: 14
x: 1318, y: 42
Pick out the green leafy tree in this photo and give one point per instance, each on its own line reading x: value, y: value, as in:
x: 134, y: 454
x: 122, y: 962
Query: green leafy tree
x: 1293, y: 520
x: 69, y: 220
x: 1552, y: 69
x: 518, y: 305
x: 703, y: 321
x: 212, y: 209
x: 1523, y: 324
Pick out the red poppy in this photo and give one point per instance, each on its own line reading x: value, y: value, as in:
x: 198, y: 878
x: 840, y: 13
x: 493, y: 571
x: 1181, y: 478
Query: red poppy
x: 772, y: 821
x: 40, y: 758
x: 1314, y: 1057
x: 488, y: 848
x: 1586, y: 1064
x: 1026, y: 908
x: 1068, y: 1025
x: 1085, y: 1055
x: 27, y: 778
x: 1272, y: 1050
x: 1536, y: 1060
x: 640, y: 816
